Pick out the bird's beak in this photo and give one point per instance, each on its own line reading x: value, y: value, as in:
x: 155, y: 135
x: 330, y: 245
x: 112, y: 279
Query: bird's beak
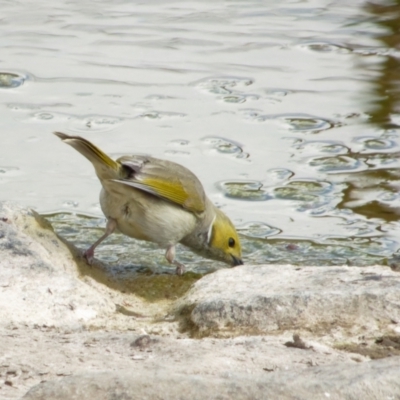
x: 236, y: 261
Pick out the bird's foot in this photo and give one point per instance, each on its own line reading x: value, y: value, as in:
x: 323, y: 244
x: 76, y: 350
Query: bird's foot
x: 88, y: 255
x: 170, y: 256
x: 180, y: 268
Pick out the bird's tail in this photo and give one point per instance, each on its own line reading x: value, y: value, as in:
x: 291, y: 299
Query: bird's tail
x: 106, y: 167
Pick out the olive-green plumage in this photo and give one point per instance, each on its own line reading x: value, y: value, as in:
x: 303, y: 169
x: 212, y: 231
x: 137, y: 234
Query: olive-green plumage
x: 159, y: 201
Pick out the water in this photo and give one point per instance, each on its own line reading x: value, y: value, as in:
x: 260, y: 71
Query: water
x: 288, y: 112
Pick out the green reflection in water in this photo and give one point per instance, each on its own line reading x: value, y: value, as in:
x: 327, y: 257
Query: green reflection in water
x: 386, y: 88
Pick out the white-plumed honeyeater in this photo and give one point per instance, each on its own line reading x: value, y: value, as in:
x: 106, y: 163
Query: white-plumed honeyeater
x: 159, y: 201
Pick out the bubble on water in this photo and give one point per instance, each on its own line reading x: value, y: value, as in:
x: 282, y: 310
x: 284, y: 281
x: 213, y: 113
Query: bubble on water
x: 388, y: 196
x: 307, y: 123
x: 234, y: 99
x: 334, y: 148
x: 330, y: 147
x: 243, y: 156
x: 45, y: 116
x: 227, y: 87
x: 244, y: 190
x: 9, y: 80
x: 335, y: 164
x: 279, y: 174
x: 295, y: 122
x: 258, y: 230
x: 371, y: 143
x: 361, y: 228
x: 222, y: 145
x: 250, y: 113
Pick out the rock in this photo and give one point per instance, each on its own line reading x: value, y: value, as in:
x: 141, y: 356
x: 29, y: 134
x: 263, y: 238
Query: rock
x: 267, y: 299
x: 370, y: 380
x: 69, y: 331
x: 39, y: 279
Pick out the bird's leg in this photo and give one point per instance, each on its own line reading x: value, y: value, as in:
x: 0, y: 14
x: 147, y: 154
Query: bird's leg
x: 110, y: 228
x: 170, y: 255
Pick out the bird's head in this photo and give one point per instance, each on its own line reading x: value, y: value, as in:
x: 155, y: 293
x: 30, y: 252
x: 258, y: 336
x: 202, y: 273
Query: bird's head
x: 223, y: 240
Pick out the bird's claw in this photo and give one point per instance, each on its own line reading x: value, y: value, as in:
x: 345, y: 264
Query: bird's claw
x: 180, y: 268
x: 88, y: 255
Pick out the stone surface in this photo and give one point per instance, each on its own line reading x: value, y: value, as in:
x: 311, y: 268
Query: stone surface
x: 377, y: 380
x: 267, y: 299
x: 68, y: 332
x: 39, y: 278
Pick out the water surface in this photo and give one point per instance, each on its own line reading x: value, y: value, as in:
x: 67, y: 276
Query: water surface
x: 288, y: 112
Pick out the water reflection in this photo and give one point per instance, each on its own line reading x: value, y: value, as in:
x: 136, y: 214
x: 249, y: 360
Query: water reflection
x: 288, y: 112
x: 386, y: 86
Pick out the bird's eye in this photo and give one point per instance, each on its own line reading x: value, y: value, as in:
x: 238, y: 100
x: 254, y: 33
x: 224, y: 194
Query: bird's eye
x: 231, y: 242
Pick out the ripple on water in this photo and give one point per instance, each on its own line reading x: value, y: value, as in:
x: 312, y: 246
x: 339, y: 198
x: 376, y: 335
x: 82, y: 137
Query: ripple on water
x: 10, y: 80
x: 244, y: 190
x: 278, y: 92
x: 226, y: 82
x: 325, y: 47
x: 222, y: 145
x: 313, y: 196
x: 306, y: 123
x: 70, y: 204
x: 161, y: 115
x: 229, y: 88
x: 294, y: 122
x: 239, y: 97
x: 225, y: 146
x: 258, y: 230
x: 336, y: 164
x: 330, y: 147
x: 279, y: 174
x: 47, y: 116
x: 8, y: 170
x: 389, y: 196
x: 31, y: 106
x: 178, y: 142
x: 177, y: 153
x: 8, y: 173
x: 376, y: 144
x: 275, y: 96
x: 290, y: 193
x: 156, y: 97
x: 311, y: 186
x: 97, y: 123
x: 43, y: 116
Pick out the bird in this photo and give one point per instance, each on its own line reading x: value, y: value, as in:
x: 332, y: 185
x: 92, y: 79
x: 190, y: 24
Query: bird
x: 159, y: 201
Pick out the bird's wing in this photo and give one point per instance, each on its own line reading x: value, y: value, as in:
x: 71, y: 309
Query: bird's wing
x: 164, y: 179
